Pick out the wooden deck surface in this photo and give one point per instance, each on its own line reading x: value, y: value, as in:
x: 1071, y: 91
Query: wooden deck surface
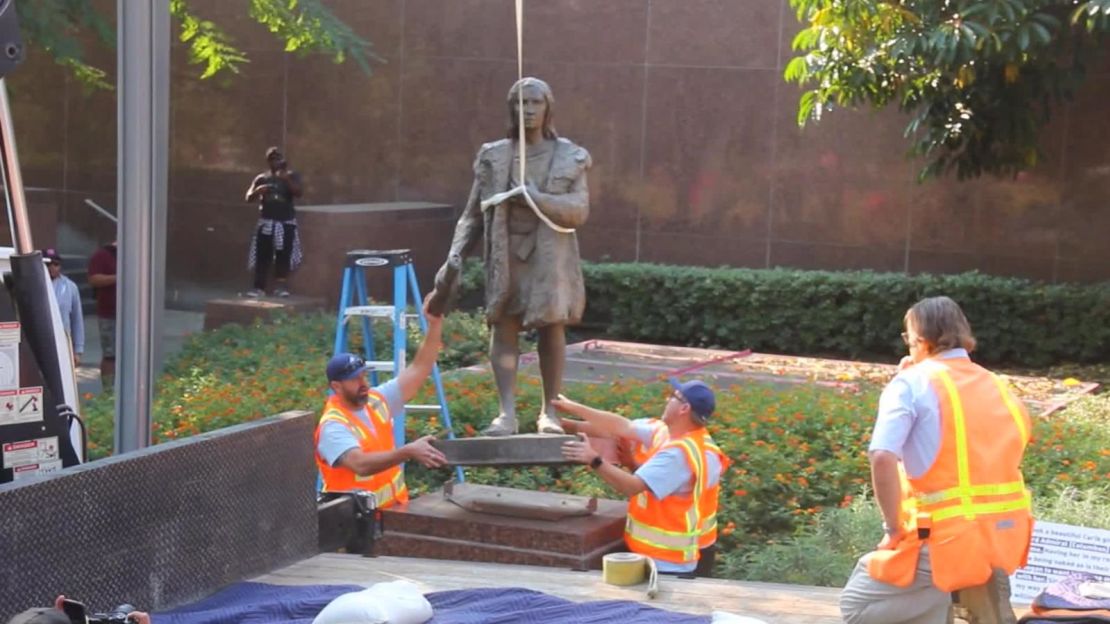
x: 779, y: 604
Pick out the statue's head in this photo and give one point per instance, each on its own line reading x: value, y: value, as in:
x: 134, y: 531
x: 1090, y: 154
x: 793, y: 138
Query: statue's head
x: 537, y: 107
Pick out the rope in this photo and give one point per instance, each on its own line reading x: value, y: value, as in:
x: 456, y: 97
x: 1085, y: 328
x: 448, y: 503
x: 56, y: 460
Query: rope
x: 522, y: 190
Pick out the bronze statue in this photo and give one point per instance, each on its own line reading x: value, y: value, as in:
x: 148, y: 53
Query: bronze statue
x: 533, y: 269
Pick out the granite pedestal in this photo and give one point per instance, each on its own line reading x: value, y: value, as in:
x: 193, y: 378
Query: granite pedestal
x: 434, y: 527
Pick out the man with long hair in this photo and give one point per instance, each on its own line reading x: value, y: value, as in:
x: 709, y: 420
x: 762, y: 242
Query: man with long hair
x: 945, y: 465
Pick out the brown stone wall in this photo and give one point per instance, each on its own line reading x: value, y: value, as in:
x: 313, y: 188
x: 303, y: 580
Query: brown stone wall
x: 698, y: 158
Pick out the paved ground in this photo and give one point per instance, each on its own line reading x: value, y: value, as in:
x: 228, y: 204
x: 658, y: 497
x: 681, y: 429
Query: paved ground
x: 177, y: 326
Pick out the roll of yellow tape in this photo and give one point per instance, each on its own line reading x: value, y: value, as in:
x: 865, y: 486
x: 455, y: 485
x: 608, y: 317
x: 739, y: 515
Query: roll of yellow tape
x: 624, y: 568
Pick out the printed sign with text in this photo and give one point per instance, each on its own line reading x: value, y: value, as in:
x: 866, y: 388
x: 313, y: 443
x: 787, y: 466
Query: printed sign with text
x: 1057, y: 551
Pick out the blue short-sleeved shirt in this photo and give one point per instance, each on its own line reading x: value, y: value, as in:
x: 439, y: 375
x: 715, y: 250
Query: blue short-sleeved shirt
x: 667, y: 472
x: 336, y: 439
x: 908, y: 423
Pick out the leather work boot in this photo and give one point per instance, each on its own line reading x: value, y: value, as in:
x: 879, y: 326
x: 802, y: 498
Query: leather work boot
x: 988, y: 603
x: 547, y: 424
x: 502, y: 426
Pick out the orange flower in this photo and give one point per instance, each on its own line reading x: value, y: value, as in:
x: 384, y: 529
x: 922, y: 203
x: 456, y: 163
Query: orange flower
x: 740, y: 493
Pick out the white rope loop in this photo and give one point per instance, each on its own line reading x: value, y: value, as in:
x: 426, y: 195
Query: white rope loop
x: 522, y: 190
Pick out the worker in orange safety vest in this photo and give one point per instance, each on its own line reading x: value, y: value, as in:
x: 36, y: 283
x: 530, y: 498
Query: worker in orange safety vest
x: 355, y: 447
x: 673, y: 506
x: 945, y: 464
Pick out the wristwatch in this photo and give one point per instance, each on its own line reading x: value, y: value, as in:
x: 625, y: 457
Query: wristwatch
x: 596, y: 463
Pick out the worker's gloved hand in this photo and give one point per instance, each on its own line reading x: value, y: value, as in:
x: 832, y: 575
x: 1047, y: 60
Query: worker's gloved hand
x: 422, y: 451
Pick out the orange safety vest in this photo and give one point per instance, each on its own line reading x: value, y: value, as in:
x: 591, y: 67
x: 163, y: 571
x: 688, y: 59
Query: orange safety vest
x: 659, y: 437
x: 388, y: 486
x: 710, y: 497
x: 973, y: 499
x: 670, y: 529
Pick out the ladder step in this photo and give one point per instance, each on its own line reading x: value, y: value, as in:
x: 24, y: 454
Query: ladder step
x: 430, y: 408
x: 373, y: 311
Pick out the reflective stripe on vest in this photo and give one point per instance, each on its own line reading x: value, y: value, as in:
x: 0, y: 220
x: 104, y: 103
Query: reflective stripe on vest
x: 972, y: 499
x: 387, y: 486
x: 669, y: 529
x: 965, y: 499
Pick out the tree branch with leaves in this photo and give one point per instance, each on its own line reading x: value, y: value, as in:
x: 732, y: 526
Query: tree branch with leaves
x: 979, y: 78
x: 306, y: 27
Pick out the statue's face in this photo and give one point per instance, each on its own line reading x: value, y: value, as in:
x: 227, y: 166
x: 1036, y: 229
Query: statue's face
x: 535, y: 107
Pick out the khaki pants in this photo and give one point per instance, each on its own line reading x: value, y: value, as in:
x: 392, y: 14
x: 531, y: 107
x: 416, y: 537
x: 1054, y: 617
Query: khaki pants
x: 867, y: 601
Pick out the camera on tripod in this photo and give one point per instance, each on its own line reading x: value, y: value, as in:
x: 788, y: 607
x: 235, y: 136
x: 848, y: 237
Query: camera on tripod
x: 79, y: 615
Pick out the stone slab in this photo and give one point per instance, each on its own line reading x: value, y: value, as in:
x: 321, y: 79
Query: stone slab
x: 501, y: 501
x: 532, y: 449
x: 246, y: 310
x: 432, y: 526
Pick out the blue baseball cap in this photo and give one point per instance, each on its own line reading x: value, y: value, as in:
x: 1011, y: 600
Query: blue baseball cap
x: 700, y: 397
x: 345, y: 366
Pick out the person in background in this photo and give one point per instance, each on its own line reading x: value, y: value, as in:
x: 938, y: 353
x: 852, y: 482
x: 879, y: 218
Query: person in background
x: 275, y: 240
x: 69, y: 303
x: 102, y: 277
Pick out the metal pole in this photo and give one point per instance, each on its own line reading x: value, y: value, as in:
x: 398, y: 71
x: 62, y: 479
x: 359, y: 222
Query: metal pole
x: 143, y: 109
x: 13, y: 178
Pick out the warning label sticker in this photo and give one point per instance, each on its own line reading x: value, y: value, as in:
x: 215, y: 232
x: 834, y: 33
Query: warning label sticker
x: 9, y: 333
x: 21, y: 406
x: 30, y: 470
x: 9, y: 356
x: 28, y: 452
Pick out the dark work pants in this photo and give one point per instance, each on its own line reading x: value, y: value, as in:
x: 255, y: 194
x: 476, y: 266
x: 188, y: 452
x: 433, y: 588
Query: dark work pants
x: 264, y: 255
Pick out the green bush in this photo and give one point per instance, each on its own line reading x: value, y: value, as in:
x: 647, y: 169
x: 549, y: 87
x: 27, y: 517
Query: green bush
x: 825, y: 552
x: 843, y: 313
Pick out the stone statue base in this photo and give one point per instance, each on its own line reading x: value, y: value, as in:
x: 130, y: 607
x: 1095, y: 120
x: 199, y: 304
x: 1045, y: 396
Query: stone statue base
x: 515, y: 503
x: 432, y: 526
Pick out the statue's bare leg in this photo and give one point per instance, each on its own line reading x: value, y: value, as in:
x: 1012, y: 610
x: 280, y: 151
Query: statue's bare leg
x: 553, y: 350
x: 504, y: 355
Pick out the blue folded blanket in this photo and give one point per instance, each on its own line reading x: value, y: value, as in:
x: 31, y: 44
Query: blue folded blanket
x: 256, y: 603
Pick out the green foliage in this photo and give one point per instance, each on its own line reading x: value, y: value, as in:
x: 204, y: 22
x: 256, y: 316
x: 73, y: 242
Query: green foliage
x: 236, y: 374
x: 824, y: 552
x: 306, y: 26
x: 209, y: 46
x: 979, y: 77
x: 53, y: 24
x: 843, y: 313
x: 789, y: 504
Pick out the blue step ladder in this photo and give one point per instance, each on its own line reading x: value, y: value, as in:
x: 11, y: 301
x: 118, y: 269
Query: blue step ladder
x: 355, y: 303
